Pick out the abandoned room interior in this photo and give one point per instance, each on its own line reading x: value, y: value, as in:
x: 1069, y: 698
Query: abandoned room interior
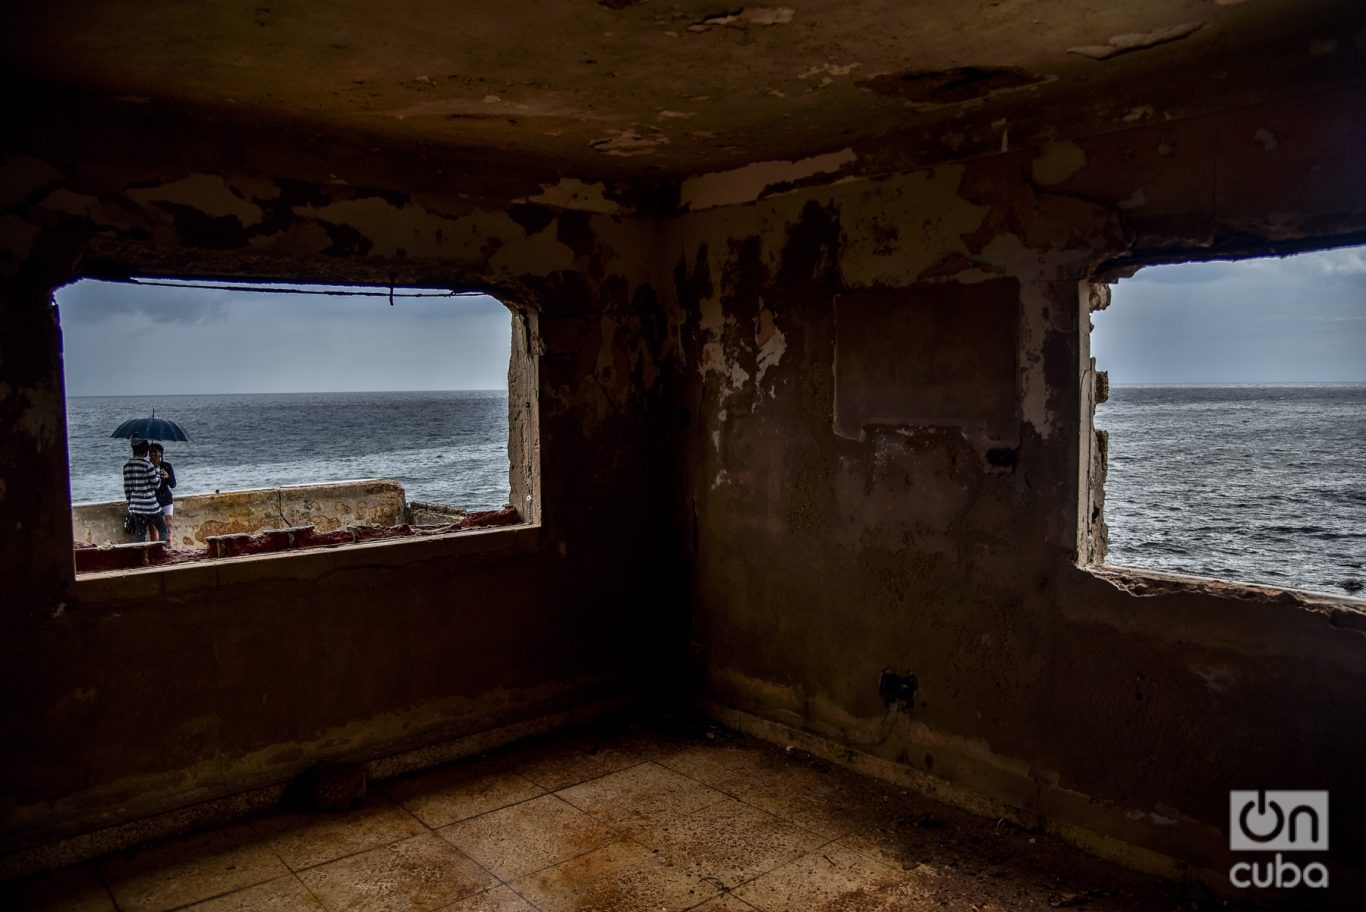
x: 802, y: 442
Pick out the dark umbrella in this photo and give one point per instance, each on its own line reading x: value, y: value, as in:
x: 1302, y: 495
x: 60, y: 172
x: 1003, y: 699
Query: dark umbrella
x: 152, y: 428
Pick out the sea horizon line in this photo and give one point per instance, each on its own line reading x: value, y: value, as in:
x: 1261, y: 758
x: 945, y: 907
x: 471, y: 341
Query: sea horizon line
x: 468, y: 389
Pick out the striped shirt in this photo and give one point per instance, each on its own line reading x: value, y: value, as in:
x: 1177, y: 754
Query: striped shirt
x: 140, y: 480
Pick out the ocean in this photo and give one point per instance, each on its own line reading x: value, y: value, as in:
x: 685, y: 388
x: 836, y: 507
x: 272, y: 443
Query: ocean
x: 1260, y: 484
x: 443, y: 447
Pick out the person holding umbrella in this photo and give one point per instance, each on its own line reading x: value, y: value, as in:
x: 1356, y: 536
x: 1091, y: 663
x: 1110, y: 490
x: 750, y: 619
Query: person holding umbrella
x: 156, y: 453
x: 146, y: 506
x: 140, y: 482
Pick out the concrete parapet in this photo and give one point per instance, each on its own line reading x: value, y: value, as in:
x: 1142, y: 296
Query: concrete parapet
x: 421, y: 513
x: 132, y: 555
x: 199, y: 517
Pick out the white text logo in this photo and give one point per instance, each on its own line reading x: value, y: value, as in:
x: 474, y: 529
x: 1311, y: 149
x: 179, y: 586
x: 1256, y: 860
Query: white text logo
x: 1269, y: 820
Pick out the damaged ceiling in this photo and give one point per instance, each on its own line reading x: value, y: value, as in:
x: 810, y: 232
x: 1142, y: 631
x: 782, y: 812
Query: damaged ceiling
x: 627, y: 89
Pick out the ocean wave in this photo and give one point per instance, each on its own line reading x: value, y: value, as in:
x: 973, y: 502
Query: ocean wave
x: 1273, y: 481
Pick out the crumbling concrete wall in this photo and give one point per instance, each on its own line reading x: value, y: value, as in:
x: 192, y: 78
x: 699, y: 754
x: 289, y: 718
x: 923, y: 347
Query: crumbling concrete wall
x: 279, y: 663
x: 326, y: 507
x: 890, y: 483
x: 852, y: 397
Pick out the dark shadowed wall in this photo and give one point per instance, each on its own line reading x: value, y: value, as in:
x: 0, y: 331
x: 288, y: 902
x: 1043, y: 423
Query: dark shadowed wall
x: 892, y: 486
x: 842, y: 426
x: 159, y: 689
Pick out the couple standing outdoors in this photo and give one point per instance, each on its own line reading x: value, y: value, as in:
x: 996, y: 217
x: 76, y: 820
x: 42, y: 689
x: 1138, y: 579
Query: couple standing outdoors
x: 147, y: 483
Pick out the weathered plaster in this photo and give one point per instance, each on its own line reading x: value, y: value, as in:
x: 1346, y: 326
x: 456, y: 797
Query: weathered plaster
x: 1137, y: 41
x: 755, y: 181
x: 906, y: 225
x: 823, y: 561
x: 699, y: 529
x: 1057, y: 162
x: 281, y: 662
x: 208, y: 193
x: 772, y: 343
x: 572, y: 193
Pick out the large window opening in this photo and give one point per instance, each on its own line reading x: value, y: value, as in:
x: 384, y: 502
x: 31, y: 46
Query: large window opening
x: 315, y: 409
x: 1235, y: 424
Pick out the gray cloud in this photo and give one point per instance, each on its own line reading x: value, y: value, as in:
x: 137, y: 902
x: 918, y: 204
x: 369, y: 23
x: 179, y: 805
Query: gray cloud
x: 93, y: 302
x: 1300, y: 318
x: 198, y: 341
x: 1181, y: 274
x: 1339, y: 264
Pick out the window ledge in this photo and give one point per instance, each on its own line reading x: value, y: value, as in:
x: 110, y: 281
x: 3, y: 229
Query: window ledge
x: 1144, y: 582
x: 295, y: 564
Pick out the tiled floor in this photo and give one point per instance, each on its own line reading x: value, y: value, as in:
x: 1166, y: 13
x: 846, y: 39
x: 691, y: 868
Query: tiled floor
x: 631, y: 816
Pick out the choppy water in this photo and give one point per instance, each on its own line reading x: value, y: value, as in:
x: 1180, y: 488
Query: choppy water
x: 443, y: 447
x: 1262, y: 484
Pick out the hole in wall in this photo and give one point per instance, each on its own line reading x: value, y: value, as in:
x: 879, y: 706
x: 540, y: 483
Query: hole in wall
x: 320, y: 400
x: 897, y: 690
x: 1235, y: 422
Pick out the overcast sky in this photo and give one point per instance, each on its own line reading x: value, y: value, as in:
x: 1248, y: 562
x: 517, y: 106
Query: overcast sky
x: 1300, y: 318
x: 188, y: 340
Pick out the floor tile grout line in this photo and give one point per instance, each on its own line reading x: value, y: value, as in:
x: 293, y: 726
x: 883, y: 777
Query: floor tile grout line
x: 624, y: 838
x: 465, y: 856
x: 765, y: 811
x: 109, y: 891
x: 629, y: 837
x: 546, y: 790
x: 309, y: 890
x: 481, y: 813
x: 381, y: 845
x: 513, y: 767
x: 618, y: 836
x: 501, y: 881
x: 513, y: 770
x: 430, y: 832
x: 204, y: 899
x: 622, y: 835
x: 865, y: 842
x: 435, y: 830
x: 555, y: 864
x: 616, y: 827
x: 391, y: 801
x: 622, y: 769
x: 828, y: 842
x: 258, y: 840
x: 879, y: 861
x: 270, y: 848
x: 775, y: 816
x: 759, y: 808
x: 839, y: 843
x: 778, y: 867
x: 744, y: 905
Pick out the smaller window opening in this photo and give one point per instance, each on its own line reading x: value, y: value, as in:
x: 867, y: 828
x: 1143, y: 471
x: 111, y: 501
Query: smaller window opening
x: 1231, y: 434
x: 316, y: 415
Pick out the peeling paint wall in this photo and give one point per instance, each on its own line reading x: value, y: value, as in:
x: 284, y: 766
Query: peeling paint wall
x: 348, y: 653
x: 904, y: 491
x: 737, y: 427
